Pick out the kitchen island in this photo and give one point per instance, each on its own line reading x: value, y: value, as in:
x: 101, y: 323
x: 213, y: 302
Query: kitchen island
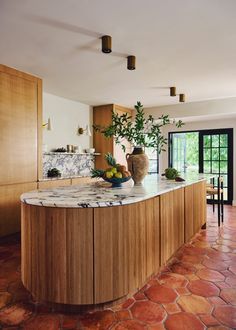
x: 89, y: 244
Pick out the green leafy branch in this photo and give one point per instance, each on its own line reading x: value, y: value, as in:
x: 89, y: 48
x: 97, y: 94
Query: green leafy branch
x: 143, y: 132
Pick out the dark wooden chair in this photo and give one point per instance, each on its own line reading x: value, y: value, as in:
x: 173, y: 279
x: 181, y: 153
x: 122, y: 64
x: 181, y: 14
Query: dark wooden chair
x: 212, y: 191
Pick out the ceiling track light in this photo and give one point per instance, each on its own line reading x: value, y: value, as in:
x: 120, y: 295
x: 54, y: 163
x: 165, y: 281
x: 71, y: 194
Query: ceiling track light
x: 172, y: 91
x: 181, y: 97
x: 106, y: 44
x: 131, y: 62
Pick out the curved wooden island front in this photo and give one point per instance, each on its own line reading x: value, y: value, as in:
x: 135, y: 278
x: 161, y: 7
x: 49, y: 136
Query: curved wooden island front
x: 90, y: 245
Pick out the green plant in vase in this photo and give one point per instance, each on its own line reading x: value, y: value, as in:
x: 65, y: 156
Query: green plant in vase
x: 141, y: 132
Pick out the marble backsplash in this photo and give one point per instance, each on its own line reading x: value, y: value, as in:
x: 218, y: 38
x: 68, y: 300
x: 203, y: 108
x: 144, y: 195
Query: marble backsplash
x: 68, y: 164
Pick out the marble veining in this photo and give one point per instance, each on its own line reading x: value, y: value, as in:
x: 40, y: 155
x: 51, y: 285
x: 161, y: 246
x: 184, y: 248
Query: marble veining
x: 68, y: 164
x: 93, y: 195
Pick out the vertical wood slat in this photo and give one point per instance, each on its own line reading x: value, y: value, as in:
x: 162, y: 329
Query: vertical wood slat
x: 171, y: 222
x: 57, y: 250
x: 195, y: 208
x: 126, y: 248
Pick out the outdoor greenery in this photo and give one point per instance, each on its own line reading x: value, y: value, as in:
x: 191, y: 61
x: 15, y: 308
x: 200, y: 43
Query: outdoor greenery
x: 140, y: 132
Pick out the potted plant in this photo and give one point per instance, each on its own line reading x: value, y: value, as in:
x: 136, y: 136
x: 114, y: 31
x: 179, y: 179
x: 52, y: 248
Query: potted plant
x: 142, y: 133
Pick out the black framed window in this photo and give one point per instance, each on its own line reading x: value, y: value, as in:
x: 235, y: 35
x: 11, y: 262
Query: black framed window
x: 207, y: 151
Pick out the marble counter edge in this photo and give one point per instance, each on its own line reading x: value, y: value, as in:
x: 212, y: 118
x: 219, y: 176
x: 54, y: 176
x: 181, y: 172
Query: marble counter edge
x: 125, y: 195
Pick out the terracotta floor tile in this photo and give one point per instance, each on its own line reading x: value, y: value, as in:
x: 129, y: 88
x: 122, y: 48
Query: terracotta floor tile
x: 222, y: 285
x: 15, y: 314
x: 161, y: 294
x: 129, y: 325
x: 226, y: 315
x: 220, y: 327
x: 183, y: 268
x: 41, y: 322
x: 159, y: 326
x: 216, y: 301
x: 172, y: 280
x: 229, y: 295
x: 192, y: 259
x: 192, y: 250
x: 209, y: 320
x: 69, y: 321
x: 148, y: 312
x: 182, y: 291
x: 123, y: 314
x: 217, y: 255
x: 214, y: 264
x: 210, y: 275
x: 195, y: 304
x: 140, y: 296
x: 203, y: 288
x: 183, y: 321
x: 97, y: 320
x: 172, y: 308
x: 5, y: 299
x: 128, y: 303
x: 231, y: 280
x: 233, y: 269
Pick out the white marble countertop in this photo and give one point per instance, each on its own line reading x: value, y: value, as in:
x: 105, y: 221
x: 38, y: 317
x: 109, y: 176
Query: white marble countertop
x: 94, y: 195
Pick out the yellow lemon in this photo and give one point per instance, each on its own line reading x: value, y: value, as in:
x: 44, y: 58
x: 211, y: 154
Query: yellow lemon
x: 114, y: 170
x: 109, y: 174
x: 118, y: 175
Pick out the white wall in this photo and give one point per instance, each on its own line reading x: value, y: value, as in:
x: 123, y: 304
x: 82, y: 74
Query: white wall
x: 200, y: 115
x: 65, y: 117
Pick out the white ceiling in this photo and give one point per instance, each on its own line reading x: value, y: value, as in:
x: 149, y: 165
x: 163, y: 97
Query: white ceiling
x: 190, y: 44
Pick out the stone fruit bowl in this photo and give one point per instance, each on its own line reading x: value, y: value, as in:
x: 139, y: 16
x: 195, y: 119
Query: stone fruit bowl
x: 116, y: 182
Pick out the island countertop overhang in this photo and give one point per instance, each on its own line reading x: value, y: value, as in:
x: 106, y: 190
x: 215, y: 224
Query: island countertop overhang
x: 93, y: 195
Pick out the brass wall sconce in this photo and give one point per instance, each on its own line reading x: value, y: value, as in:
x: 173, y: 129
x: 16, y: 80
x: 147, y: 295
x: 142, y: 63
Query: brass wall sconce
x: 172, y: 91
x: 131, y: 62
x: 85, y: 130
x: 181, y: 97
x: 106, y: 44
x: 48, y: 125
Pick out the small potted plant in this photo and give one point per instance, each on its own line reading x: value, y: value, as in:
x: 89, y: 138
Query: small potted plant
x: 142, y: 133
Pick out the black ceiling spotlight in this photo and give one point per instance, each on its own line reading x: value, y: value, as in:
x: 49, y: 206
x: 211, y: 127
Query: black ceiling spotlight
x: 131, y: 60
x: 172, y: 91
x: 106, y: 44
x: 181, y: 97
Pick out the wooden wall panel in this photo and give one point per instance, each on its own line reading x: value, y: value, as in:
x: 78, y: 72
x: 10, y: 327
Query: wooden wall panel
x: 171, y: 222
x: 102, y: 115
x: 18, y: 126
x: 10, y: 206
x: 57, y: 247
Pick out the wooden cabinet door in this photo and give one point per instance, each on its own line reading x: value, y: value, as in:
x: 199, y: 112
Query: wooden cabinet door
x: 10, y: 206
x: 18, y: 127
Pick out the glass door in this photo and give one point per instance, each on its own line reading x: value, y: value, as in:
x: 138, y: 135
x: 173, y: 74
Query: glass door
x: 216, y: 157
x: 184, y: 151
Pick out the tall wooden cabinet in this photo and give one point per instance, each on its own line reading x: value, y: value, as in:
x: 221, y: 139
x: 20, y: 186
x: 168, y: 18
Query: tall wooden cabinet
x: 102, y: 115
x: 20, y: 140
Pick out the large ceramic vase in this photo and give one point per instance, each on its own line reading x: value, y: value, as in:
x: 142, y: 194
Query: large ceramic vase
x: 137, y: 164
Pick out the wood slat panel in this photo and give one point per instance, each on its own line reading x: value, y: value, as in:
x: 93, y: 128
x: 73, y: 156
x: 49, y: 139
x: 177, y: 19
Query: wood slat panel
x: 188, y: 208
x: 18, y: 126
x: 84, y: 180
x: 126, y: 248
x: 172, y: 222
x: 57, y: 254
x: 10, y: 206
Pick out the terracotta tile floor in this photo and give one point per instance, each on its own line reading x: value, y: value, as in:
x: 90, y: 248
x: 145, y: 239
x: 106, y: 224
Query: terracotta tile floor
x: 197, y: 290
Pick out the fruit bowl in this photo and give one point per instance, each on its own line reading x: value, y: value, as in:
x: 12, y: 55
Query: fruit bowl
x: 116, y: 182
